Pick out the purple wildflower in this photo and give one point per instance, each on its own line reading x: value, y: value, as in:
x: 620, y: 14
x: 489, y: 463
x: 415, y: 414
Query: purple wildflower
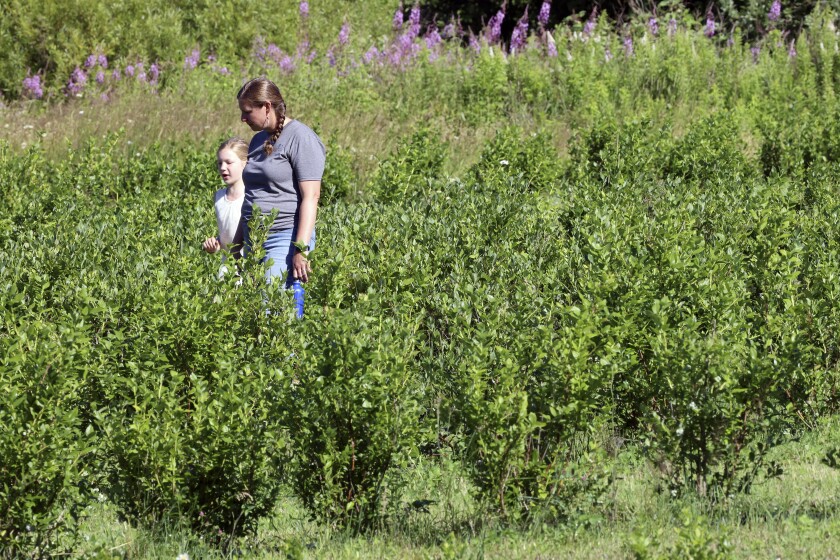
x: 116, y: 75
x: 414, y: 21
x: 211, y: 58
x: 520, y: 34
x: 32, y: 86
x: 312, y: 54
x: 494, y: 27
x: 792, y: 49
x: 154, y: 71
x: 474, y: 44
x: 191, y: 61
x: 551, y: 46
x: 397, y: 22
x: 331, y: 57
x: 104, y: 96
x: 775, y: 11
x: 77, y: 82
x: 589, y: 26
x: 608, y: 54
x: 653, y: 26
x: 755, y: 52
x: 628, y: 46
x: 223, y: 70
x: 672, y: 27
x: 129, y: 71
x: 709, y: 31
x: 433, y: 38
x: 449, y: 31
x: 545, y: 11
x: 287, y: 65
x: 100, y: 77
x: 344, y: 34
x: 273, y: 52
x: 103, y: 60
x: 91, y: 61
x: 304, y: 9
x: 370, y: 55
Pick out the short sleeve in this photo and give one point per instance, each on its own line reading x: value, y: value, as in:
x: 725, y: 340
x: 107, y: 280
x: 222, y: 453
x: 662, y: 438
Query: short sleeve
x: 307, y: 155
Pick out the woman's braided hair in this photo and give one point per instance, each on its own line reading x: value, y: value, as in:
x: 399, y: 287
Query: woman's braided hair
x: 257, y: 93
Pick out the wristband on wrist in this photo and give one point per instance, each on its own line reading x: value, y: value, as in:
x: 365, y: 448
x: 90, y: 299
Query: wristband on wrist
x: 302, y: 247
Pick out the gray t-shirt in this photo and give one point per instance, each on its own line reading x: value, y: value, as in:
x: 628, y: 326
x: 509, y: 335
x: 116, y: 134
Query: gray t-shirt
x: 273, y: 181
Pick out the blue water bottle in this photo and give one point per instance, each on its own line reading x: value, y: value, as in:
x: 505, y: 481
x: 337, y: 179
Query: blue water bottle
x: 297, y: 286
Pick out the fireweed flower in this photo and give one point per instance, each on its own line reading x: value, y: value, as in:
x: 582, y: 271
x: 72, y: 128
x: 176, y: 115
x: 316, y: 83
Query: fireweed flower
x: 588, y: 27
x: 191, y: 61
x: 653, y: 26
x: 551, y: 46
x: 710, y: 27
x: 414, y: 21
x: 103, y: 60
x: 628, y: 46
x: 129, y: 71
x: 494, y: 27
x: 474, y: 44
x: 304, y: 9
x: 274, y: 53
x: 91, y: 61
x: 32, y: 86
x: 77, y: 82
x: 545, y: 11
x: 775, y: 11
x: 520, y: 34
x: 344, y: 34
x: 100, y: 77
x: 370, y: 55
x: 449, y: 31
x: 287, y: 65
x: 433, y: 38
x: 397, y: 22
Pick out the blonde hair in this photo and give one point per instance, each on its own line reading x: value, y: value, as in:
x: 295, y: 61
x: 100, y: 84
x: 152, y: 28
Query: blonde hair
x: 257, y: 93
x: 237, y: 145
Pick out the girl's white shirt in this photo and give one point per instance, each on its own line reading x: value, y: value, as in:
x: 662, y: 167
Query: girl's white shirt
x: 228, y: 213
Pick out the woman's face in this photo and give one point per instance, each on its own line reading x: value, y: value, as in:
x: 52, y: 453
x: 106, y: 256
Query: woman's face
x: 258, y: 117
x: 230, y: 166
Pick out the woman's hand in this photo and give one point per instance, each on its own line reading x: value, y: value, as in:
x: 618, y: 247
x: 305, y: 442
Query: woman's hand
x: 300, y: 267
x: 211, y: 245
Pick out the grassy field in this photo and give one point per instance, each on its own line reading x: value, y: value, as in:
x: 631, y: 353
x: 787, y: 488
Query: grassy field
x: 794, y: 516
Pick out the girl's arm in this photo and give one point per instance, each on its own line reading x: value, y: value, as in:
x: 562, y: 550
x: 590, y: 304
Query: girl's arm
x: 310, y: 192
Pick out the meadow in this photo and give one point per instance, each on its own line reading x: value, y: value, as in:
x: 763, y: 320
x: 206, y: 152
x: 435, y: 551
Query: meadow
x: 574, y: 294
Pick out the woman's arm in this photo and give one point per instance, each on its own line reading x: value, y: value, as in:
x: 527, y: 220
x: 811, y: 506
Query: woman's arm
x: 310, y: 192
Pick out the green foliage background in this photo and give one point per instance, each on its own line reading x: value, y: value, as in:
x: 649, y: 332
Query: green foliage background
x: 669, y: 276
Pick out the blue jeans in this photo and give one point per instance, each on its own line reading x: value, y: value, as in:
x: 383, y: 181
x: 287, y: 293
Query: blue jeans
x: 279, y: 247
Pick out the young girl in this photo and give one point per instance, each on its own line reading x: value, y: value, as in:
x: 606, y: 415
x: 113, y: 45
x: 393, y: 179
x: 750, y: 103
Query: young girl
x: 231, y: 158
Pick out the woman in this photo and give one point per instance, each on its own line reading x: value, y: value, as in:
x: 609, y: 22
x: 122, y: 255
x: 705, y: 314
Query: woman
x: 284, y: 170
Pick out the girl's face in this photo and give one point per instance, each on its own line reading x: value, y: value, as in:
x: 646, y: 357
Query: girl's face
x: 230, y: 166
